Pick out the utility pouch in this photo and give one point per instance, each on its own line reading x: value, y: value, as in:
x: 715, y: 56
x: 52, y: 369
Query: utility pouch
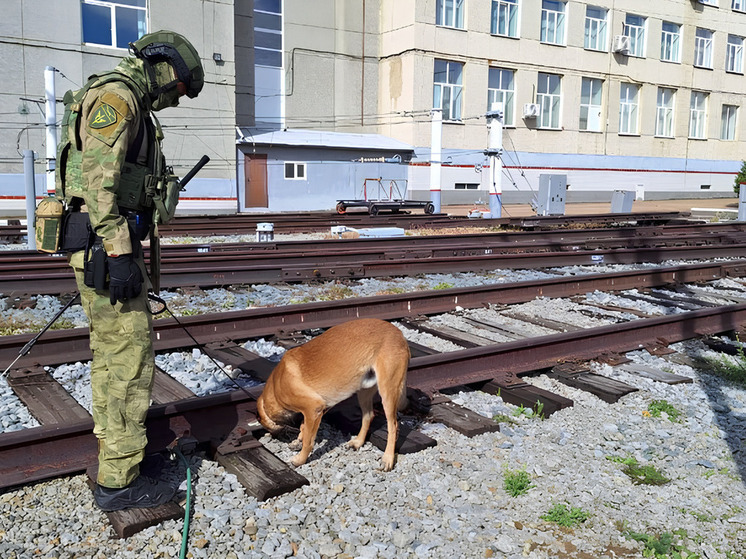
x: 48, y: 222
x: 76, y: 233
x: 166, y: 197
x: 94, y: 267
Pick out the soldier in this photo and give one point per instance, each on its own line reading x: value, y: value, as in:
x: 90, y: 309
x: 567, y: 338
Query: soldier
x: 110, y: 171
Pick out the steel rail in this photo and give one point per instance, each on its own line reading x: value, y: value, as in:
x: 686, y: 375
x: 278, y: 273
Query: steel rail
x: 707, y: 233
x: 41, y: 453
x: 309, y: 221
x: 225, y: 268
x: 63, y: 346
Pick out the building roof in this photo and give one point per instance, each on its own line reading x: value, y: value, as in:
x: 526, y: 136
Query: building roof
x: 320, y: 138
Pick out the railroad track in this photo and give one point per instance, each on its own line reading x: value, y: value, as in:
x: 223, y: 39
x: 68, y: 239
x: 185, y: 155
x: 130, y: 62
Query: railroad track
x: 247, y: 263
x: 312, y: 222
x: 65, y: 444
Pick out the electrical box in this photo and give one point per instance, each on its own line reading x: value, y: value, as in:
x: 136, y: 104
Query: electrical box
x: 621, y: 201
x: 551, y: 197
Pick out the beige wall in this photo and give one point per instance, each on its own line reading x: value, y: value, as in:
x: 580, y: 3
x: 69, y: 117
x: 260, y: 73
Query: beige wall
x: 410, y: 42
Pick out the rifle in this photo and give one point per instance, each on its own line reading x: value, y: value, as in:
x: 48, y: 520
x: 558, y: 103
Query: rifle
x: 155, y: 245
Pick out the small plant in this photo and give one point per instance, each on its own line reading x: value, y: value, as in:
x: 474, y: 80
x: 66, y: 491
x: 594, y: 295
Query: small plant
x: 502, y: 418
x: 189, y: 312
x: 521, y: 410
x: 564, y: 516
x: 656, y: 407
x: 661, y: 547
x: 640, y: 475
x: 443, y: 285
x: 517, y: 482
x: 644, y: 475
x: 336, y: 292
x: 731, y: 367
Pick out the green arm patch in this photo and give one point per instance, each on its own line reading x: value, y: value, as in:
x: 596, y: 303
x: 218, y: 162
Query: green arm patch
x: 104, y: 116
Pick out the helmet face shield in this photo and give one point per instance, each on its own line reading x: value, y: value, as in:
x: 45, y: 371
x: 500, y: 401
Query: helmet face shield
x: 177, y: 51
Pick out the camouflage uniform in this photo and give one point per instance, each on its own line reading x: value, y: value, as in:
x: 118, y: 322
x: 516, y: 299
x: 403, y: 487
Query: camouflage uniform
x: 113, y: 129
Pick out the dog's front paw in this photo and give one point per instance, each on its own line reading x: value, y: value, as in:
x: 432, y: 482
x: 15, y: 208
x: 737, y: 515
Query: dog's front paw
x: 356, y: 443
x: 387, y: 463
x: 297, y: 460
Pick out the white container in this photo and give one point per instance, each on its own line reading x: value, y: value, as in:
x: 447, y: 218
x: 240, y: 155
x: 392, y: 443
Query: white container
x: 265, y: 232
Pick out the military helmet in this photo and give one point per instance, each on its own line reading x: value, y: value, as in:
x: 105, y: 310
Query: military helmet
x: 177, y: 51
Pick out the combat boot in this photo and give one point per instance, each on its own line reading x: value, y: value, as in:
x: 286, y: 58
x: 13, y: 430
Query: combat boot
x: 143, y: 492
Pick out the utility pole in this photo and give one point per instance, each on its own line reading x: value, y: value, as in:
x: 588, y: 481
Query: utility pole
x: 495, y: 125
x: 436, y: 156
x: 30, y: 180
x: 51, y: 127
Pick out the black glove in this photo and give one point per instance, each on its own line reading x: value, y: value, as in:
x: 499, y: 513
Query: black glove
x: 125, y: 278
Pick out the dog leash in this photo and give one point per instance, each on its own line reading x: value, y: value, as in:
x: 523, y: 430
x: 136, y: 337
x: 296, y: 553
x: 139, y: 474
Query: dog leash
x: 153, y: 297
x: 25, y: 349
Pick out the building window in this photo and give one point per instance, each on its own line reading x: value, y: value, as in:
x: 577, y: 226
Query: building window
x: 664, y: 112
x: 295, y: 171
x: 501, y: 89
x: 590, y: 104
x: 670, y: 40
x: 703, y: 48
x: 447, y: 88
x: 549, y: 98
x: 628, y: 108
x: 553, y: 22
x: 466, y: 186
x: 504, y: 19
x: 709, y: 2
x: 734, y: 55
x: 634, y: 28
x: 728, y: 122
x: 268, y: 33
x: 739, y: 5
x: 698, y: 115
x: 113, y: 24
x: 450, y: 13
x: 595, y: 28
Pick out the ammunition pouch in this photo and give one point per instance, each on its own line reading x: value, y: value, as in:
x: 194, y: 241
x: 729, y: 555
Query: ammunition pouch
x: 132, y: 190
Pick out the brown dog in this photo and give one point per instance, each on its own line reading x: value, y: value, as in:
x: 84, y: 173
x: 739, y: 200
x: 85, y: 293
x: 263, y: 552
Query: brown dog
x: 354, y: 357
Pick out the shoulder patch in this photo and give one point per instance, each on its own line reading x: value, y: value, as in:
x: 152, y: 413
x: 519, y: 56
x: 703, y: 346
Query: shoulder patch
x: 102, y: 117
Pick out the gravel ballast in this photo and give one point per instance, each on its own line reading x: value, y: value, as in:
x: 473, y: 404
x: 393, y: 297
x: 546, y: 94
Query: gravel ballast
x: 446, y: 501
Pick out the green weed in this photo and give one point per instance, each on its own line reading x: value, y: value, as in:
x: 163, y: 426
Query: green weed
x: 564, y: 516
x: 443, y: 285
x: 640, y: 475
x: 731, y: 367
x: 656, y: 407
x: 662, y: 546
x: 502, y: 418
x: 517, y: 482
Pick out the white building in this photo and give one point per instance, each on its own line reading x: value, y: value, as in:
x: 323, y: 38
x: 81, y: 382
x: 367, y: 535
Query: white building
x: 628, y: 95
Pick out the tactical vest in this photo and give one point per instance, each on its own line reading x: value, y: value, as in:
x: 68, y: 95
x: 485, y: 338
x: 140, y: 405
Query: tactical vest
x: 145, y: 183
